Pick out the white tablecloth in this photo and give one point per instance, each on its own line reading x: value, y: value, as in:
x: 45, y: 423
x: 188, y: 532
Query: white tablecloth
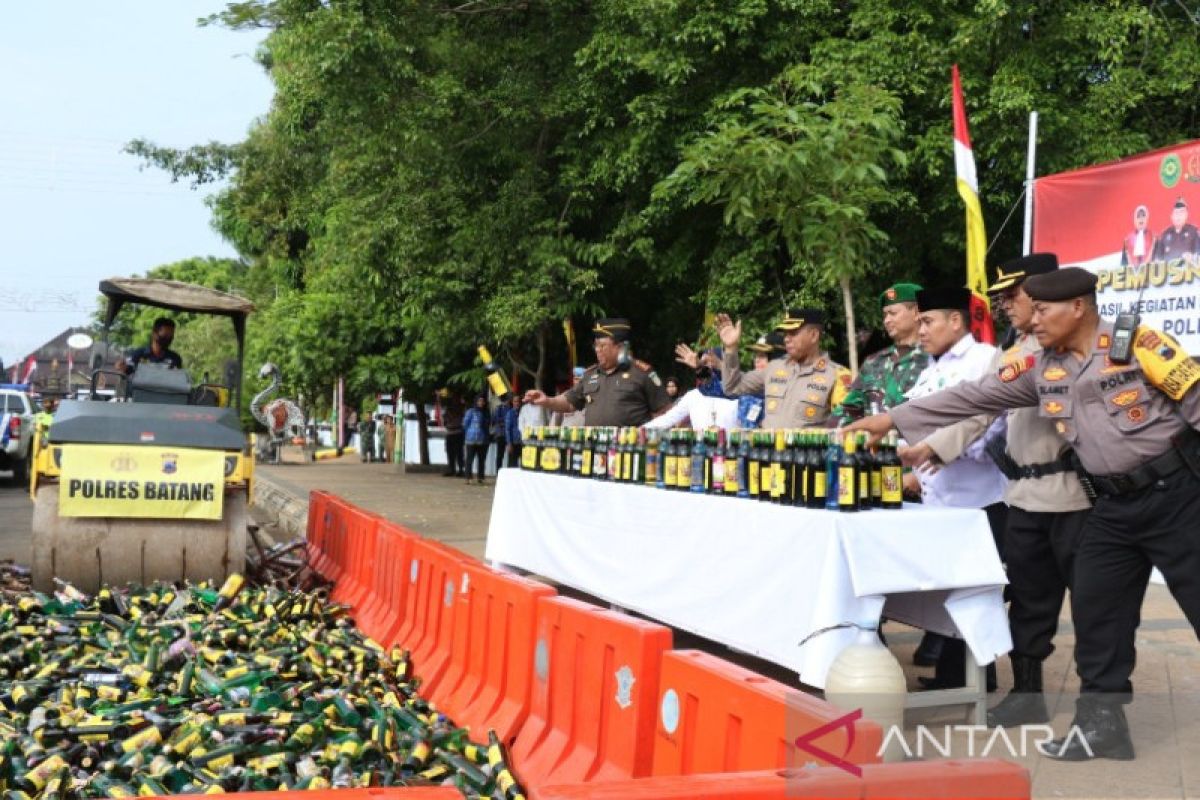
x: 751, y: 575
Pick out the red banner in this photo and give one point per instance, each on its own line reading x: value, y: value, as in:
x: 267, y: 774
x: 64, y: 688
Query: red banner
x: 1132, y: 222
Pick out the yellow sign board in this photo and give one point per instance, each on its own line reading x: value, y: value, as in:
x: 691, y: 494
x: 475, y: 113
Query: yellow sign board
x: 128, y: 481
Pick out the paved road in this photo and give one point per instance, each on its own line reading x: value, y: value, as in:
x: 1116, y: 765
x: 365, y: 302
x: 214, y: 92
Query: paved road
x: 16, y: 514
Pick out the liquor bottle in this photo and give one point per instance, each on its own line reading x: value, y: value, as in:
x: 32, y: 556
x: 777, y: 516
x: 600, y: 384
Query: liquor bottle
x: 779, y: 467
x: 651, y: 457
x: 539, y: 445
x: 876, y: 477
x: 614, y: 456
x: 754, y: 466
x: 628, y: 437
x: 892, y: 474
x: 833, y: 457
x: 814, y: 471
x: 585, y: 452
x: 717, y: 458
x: 637, y: 448
x: 743, y: 464
x: 567, y: 437
x: 699, y: 476
x: 731, y: 463
x: 552, y: 452
x: 527, y: 459
x: 496, y: 380
x: 795, y: 468
x: 599, y: 455
x: 766, y: 469
x: 864, y: 472
x: 848, y: 472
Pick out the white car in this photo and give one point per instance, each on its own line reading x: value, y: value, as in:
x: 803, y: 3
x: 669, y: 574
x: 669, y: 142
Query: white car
x: 16, y: 432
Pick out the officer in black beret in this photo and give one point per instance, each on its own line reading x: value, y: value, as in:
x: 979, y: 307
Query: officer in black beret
x: 616, y: 390
x: 1127, y: 401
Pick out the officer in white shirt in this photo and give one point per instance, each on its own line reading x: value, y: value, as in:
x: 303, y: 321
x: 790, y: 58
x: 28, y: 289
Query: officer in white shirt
x: 972, y: 480
x: 704, y: 412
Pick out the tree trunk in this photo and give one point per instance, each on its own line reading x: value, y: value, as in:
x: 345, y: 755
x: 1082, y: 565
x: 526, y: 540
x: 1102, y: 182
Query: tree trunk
x: 851, y: 330
x: 541, y: 348
x: 422, y: 430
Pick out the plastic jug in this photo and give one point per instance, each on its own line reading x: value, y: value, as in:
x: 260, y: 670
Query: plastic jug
x: 866, y: 675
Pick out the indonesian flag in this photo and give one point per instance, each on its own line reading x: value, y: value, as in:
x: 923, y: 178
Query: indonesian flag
x: 968, y: 189
x: 30, y: 368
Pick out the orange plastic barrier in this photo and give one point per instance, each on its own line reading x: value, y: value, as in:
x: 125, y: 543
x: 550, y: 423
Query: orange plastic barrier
x: 594, y: 696
x: 981, y: 779
x: 381, y: 609
x: 486, y: 683
x: 715, y: 716
x: 412, y: 793
x: 320, y: 522
x: 356, y: 555
x: 433, y: 573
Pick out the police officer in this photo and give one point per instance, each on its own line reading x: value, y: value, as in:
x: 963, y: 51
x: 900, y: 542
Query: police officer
x: 616, y: 390
x: 1131, y: 422
x: 158, y: 351
x: 1047, y: 505
x: 798, y: 390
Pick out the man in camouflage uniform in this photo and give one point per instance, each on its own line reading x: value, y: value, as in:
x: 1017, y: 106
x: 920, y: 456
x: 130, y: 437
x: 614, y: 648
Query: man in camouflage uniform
x: 885, y: 376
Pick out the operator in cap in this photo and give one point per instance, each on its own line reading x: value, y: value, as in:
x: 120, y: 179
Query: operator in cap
x: 886, y: 375
x: 1132, y: 424
x: 1047, y: 506
x: 800, y: 389
x: 612, y: 391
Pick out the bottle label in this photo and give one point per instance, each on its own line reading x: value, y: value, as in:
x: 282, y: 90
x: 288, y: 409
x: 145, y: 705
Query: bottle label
x: 846, y: 486
x: 551, y: 459
x: 718, y: 473
x: 778, y: 481
x: 527, y: 457
x: 585, y: 467
x: 754, y: 475
x: 627, y: 466
x: 864, y: 486
x: 893, y: 484
x: 598, y: 466
x: 876, y: 483
x: 614, y: 465
x: 731, y: 478
x: 651, y: 467
x: 819, y: 487
x: 671, y: 463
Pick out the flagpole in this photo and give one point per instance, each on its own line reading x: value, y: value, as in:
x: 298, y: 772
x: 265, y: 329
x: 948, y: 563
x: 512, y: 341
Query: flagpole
x: 1027, y: 242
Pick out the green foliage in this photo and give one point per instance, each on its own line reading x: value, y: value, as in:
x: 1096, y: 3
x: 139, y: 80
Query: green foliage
x: 432, y: 175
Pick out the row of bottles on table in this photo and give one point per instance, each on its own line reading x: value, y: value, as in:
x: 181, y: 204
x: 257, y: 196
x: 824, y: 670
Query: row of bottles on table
x: 811, y: 468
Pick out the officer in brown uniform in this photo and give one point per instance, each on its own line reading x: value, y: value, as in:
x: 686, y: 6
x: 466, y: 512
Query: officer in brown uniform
x: 1047, y: 505
x: 616, y: 390
x: 800, y: 389
x: 1131, y: 422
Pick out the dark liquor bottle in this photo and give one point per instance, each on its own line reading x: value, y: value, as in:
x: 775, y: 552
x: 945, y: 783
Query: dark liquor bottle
x: 637, y: 455
x: 779, y: 470
x: 876, y: 477
x: 848, y: 472
x: 794, y: 496
x: 614, y: 456
x: 833, y: 457
x: 864, y: 471
x: 893, y: 474
x: 717, y: 458
x: 700, y: 465
x: 816, y: 479
x: 651, y: 456
x: 496, y: 380
x: 599, y: 454
x: 585, y: 452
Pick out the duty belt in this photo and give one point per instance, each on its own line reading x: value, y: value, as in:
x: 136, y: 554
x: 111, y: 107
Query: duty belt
x: 1009, y: 468
x: 1149, y: 473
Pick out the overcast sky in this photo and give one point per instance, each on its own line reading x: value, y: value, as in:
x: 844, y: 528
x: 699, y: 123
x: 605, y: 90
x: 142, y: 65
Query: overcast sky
x: 80, y: 79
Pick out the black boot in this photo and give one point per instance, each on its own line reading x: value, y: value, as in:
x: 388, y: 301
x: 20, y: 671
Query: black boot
x: 1099, y: 730
x: 928, y: 651
x: 1025, y: 704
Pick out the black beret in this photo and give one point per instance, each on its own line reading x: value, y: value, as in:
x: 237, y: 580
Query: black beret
x: 615, y: 328
x: 952, y: 298
x: 1063, y: 284
x: 1011, y: 273
x: 799, y: 317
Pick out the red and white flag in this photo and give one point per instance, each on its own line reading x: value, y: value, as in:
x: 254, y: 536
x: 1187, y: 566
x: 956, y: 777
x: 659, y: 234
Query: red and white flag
x: 968, y: 189
x: 30, y: 368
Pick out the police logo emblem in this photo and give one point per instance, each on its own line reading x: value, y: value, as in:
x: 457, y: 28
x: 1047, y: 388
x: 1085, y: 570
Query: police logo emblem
x: 1126, y: 398
x: 1010, y: 372
x: 1149, y: 340
x: 1136, y: 414
x: 1054, y: 373
x: 810, y: 412
x: 1053, y: 407
x: 170, y: 463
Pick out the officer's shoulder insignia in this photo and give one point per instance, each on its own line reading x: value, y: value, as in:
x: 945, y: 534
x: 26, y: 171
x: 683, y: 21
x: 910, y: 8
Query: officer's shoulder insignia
x: 820, y: 365
x: 781, y: 373
x: 1054, y: 373
x: 1165, y: 364
x: 843, y: 375
x: 1011, y: 371
x: 1104, y: 342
